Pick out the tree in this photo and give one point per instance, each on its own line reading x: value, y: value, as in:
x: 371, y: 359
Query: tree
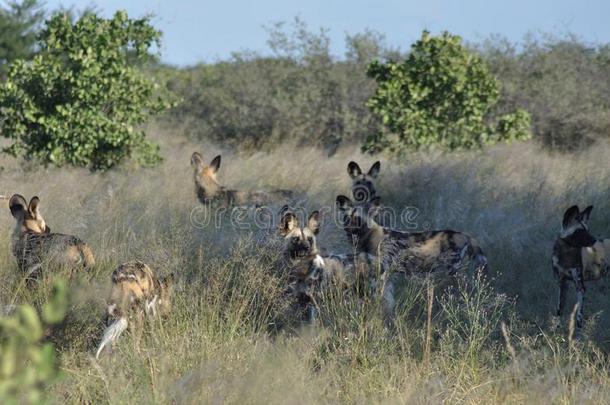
x: 438, y: 96
x: 81, y: 99
x: 19, y: 24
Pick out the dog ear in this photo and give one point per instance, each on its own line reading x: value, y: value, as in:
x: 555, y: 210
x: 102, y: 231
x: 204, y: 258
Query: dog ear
x: 353, y: 169
x: 33, y: 206
x: 344, y: 203
x: 17, y: 204
x: 288, y: 223
x: 586, y: 213
x: 374, y: 170
x: 196, y: 159
x: 313, y: 223
x: 570, y: 215
x: 215, y: 164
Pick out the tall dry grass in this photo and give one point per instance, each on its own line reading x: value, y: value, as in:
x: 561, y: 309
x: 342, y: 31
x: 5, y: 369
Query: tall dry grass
x: 233, y: 338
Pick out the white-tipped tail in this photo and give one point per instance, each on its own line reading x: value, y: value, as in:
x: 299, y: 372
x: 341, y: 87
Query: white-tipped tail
x: 111, y: 334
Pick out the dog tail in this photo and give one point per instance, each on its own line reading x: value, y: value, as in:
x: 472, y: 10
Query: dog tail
x: 112, y: 333
x: 87, y: 256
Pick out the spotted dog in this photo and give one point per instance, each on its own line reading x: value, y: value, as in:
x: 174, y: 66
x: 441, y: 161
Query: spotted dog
x: 209, y: 190
x: 136, y: 293
x: 34, y: 245
x: 445, y: 251
x: 311, y: 271
x: 578, y: 257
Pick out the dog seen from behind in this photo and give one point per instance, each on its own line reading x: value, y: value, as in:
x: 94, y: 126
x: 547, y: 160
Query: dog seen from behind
x: 209, y: 190
x: 34, y: 245
x: 137, y: 293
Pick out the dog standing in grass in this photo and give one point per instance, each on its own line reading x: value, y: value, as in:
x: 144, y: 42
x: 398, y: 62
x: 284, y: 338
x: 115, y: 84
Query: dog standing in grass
x: 445, y: 251
x: 33, y: 244
x: 136, y: 293
x: 209, y: 190
x: 578, y: 257
x: 411, y: 252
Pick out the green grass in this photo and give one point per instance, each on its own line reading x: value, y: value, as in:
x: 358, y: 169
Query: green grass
x: 232, y: 338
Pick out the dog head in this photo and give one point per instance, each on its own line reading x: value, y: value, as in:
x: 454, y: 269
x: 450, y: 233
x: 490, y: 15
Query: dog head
x: 363, y: 184
x: 358, y: 220
x: 574, y: 227
x: 206, y: 182
x: 299, y: 241
x: 28, y: 216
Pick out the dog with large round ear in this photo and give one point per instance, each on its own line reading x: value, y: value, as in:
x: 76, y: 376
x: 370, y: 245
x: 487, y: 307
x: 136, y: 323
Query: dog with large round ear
x: 28, y: 215
x: 574, y: 229
x: 299, y: 242
x: 577, y: 257
x: 207, y: 187
x: 35, y: 247
x: 363, y: 185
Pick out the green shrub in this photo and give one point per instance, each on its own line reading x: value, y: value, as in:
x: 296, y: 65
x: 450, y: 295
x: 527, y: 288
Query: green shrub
x: 27, y: 365
x: 81, y: 99
x: 300, y: 93
x: 438, y: 96
x: 561, y: 81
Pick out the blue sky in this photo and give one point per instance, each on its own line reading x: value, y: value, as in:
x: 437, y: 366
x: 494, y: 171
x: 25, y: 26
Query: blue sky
x: 195, y: 31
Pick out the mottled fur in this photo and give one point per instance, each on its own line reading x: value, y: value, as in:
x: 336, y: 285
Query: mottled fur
x: 578, y: 257
x: 409, y: 252
x: 136, y: 292
x: 33, y: 244
x: 209, y: 190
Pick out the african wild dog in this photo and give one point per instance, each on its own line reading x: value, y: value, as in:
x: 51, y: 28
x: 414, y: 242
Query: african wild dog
x: 209, y: 190
x: 309, y: 270
x: 363, y: 185
x: 408, y: 252
x: 33, y: 244
x: 136, y: 292
x: 578, y: 257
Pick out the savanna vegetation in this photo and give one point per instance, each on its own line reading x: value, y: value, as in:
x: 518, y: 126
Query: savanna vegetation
x: 292, y: 119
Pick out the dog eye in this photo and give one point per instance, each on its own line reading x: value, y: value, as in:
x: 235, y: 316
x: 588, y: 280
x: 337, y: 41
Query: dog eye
x: 310, y: 239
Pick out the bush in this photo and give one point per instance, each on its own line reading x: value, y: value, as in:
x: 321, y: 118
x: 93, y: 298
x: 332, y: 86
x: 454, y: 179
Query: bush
x: 438, y: 96
x: 27, y: 367
x: 80, y: 100
x: 563, y: 82
x: 299, y: 93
